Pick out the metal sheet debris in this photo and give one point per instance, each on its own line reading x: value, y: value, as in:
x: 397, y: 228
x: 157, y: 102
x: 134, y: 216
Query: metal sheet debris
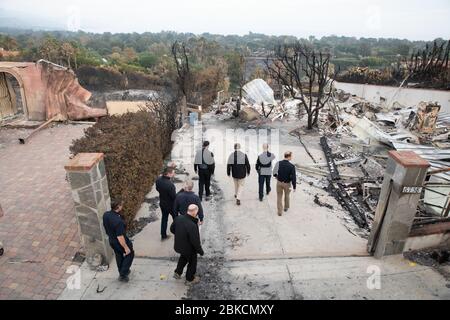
x: 258, y: 91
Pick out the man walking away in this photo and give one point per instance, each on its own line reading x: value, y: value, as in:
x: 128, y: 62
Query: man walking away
x: 239, y: 167
x: 167, y: 195
x: 285, y: 173
x: 116, y: 230
x: 204, y: 165
x: 264, y: 169
x: 187, y: 244
x: 185, y: 198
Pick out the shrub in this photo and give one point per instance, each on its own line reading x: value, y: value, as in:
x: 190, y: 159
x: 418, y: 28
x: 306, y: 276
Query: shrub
x: 147, y: 60
x: 132, y: 144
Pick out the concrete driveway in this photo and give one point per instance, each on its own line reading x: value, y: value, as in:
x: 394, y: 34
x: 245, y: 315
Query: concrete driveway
x: 252, y: 253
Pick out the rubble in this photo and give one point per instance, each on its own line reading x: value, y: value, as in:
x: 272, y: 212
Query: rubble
x: 421, y: 129
x: 427, y: 114
x: 257, y: 92
x: 369, y: 131
x: 249, y: 114
x: 438, y: 259
x: 259, y: 97
x: 338, y: 190
x: 355, y: 137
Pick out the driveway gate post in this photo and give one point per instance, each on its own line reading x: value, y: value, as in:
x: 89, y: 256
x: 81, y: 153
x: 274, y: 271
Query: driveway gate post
x: 397, y: 205
x: 87, y: 177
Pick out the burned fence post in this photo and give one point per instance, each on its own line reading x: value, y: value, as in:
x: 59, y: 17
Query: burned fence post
x: 397, y: 205
x: 87, y: 177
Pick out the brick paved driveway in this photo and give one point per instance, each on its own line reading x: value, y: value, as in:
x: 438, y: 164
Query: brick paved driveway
x: 39, y: 229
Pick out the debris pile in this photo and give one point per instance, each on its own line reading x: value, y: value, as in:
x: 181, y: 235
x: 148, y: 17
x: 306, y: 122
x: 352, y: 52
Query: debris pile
x: 439, y: 259
x: 258, y: 103
x: 360, y: 143
x: 356, y: 137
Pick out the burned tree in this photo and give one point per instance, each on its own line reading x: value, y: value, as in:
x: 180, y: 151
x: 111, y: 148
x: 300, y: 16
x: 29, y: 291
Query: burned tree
x: 164, y: 108
x: 184, y: 76
x: 425, y: 68
x: 265, y: 113
x: 430, y: 66
x: 304, y: 72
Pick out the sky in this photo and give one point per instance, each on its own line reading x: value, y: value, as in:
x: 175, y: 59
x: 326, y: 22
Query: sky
x: 404, y: 19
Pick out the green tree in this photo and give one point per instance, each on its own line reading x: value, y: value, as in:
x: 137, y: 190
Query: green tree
x: 147, y: 60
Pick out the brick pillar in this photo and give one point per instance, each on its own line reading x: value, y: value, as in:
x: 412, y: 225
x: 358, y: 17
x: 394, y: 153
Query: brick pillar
x: 397, y: 205
x: 87, y: 177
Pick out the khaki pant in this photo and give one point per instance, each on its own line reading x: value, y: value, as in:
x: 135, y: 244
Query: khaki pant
x: 238, y: 186
x: 286, y: 189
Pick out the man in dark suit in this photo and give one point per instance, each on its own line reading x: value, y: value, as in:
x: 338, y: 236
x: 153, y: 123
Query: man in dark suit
x: 204, y: 165
x: 239, y: 168
x: 187, y: 244
x: 185, y: 198
x: 264, y: 169
x: 286, y: 175
x: 167, y: 194
x: 116, y: 230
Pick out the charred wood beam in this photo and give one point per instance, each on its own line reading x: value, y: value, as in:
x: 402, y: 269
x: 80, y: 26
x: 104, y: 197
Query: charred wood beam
x: 346, y: 201
x: 25, y: 139
x: 338, y: 190
x: 330, y: 159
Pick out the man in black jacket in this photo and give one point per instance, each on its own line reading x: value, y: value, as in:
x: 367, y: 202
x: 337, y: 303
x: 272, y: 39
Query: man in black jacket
x: 187, y: 244
x: 167, y: 194
x: 116, y: 230
x: 239, y: 168
x: 204, y: 165
x: 286, y: 174
x: 264, y: 169
x: 186, y: 197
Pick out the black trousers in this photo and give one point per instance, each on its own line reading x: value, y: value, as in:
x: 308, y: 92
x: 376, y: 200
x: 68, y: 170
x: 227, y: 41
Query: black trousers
x: 204, y: 182
x: 164, y: 220
x: 191, y: 262
x: 123, y: 262
x: 262, y: 179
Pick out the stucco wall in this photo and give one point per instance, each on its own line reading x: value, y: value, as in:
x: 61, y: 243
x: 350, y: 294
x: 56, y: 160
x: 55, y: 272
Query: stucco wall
x: 49, y: 90
x: 405, y: 96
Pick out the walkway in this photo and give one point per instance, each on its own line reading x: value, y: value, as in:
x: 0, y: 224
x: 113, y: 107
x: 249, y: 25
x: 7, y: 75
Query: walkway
x: 39, y: 229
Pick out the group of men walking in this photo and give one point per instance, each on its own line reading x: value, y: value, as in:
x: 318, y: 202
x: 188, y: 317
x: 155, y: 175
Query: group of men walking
x: 186, y: 209
x: 284, y: 171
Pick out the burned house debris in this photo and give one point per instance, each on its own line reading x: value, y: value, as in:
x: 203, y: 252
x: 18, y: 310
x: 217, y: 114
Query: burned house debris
x: 44, y: 92
x: 47, y: 91
x: 357, y: 135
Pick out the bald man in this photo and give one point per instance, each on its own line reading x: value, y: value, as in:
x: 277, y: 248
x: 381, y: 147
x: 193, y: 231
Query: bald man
x: 187, y: 244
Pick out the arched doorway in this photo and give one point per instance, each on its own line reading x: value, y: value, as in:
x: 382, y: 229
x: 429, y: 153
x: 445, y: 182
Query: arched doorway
x: 12, y: 97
